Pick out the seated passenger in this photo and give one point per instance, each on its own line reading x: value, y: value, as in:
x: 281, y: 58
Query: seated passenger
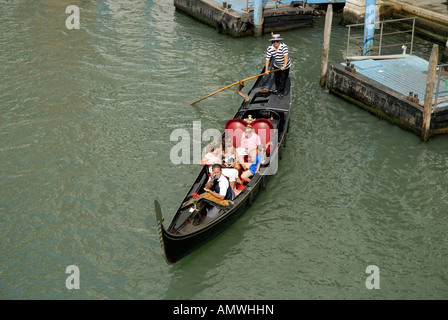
x: 249, y: 141
x: 230, y: 166
x: 255, y: 166
x: 213, y: 155
x: 229, y: 155
x: 218, y: 185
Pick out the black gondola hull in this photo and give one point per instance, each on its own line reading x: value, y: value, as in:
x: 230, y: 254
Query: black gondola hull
x: 176, y: 246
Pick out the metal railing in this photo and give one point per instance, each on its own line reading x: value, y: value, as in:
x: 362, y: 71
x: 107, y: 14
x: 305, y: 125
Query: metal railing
x: 379, y: 44
x: 442, y: 78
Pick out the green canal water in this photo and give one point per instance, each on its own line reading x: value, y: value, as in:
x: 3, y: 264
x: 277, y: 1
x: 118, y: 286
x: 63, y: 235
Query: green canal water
x: 85, y: 123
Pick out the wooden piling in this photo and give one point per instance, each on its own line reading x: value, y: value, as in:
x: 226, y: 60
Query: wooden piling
x: 326, y: 45
x: 430, y: 80
x: 258, y: 17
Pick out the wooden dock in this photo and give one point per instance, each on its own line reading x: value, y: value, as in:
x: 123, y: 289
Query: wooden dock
x: 236, y: 17
x: 393, y: 89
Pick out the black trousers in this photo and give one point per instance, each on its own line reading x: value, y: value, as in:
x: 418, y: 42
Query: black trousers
x: 280, y: 80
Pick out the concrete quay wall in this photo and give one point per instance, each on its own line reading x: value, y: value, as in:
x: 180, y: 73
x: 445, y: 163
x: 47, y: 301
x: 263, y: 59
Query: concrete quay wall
x: 235, y: 23
x: 223, y: 20
x: 383, y: 101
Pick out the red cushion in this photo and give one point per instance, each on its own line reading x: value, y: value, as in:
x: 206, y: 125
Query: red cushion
x: 235, y: 129
x: 265, y: 131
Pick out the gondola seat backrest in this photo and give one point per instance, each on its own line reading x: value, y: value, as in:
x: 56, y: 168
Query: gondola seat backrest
x: 235, y: 129
x: 265, y: 131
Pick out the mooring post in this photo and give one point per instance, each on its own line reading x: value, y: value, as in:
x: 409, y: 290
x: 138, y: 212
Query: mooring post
x: 258, y: 17
x: 446, y: 50
x: 430, y: 80
x: 326, y: 45
x: 369, y: 27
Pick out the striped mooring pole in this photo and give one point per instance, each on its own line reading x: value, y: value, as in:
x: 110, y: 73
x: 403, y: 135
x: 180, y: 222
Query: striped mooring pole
x: 369, y: 27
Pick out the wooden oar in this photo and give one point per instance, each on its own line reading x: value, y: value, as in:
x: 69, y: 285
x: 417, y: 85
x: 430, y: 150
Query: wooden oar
x: 231, y: 85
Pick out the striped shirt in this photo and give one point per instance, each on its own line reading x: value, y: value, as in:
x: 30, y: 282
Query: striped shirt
x: 278, y: 55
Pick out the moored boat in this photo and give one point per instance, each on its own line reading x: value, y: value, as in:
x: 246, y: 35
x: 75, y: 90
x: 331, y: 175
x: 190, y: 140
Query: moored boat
x: 199, y: 220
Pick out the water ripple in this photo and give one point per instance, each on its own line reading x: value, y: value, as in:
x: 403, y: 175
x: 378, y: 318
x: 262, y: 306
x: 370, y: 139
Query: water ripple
x: 85, y: 123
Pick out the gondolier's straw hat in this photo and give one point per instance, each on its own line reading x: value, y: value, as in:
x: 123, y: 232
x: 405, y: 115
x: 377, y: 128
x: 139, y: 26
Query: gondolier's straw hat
x: 275, y: 37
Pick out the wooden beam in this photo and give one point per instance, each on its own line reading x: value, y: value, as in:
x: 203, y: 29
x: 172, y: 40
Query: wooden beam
x: 430, y: 80
x: 326, y: 45
x: 392, y: 56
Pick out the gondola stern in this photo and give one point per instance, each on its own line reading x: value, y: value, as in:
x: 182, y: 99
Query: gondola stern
x: 161, y: 230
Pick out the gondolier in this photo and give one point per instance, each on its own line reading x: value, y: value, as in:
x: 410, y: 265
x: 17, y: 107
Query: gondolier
x: 278, y: 51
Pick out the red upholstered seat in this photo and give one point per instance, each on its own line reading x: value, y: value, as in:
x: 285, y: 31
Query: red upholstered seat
x: 265, y: 131
x: 235, y: 129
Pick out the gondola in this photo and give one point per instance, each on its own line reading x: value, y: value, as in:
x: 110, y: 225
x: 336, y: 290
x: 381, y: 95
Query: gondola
x: 269, y: 114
